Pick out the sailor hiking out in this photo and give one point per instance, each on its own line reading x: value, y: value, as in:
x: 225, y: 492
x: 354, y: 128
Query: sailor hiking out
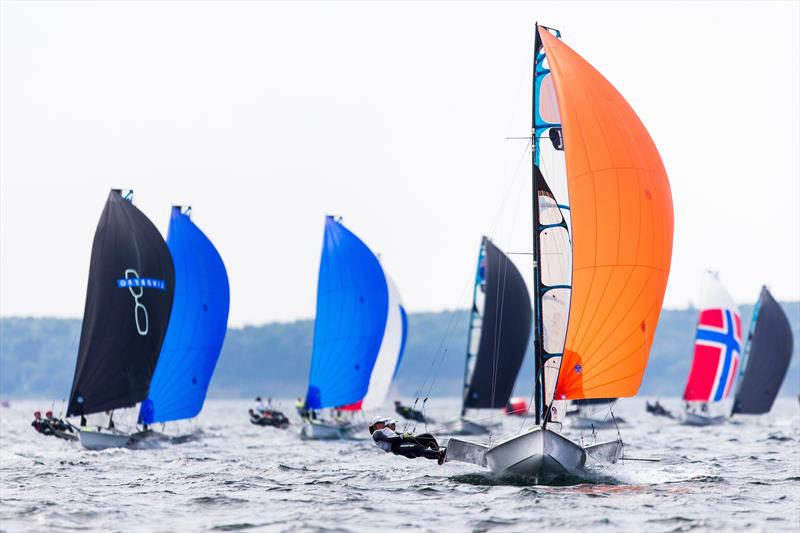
x: 384, y: 433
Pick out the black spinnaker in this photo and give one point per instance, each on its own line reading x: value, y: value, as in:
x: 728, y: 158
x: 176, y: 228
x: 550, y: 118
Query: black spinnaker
x: 504, y: 324
x: 128, y: 304
x: 767, y: 357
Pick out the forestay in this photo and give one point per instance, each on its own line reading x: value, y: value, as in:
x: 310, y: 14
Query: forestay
x: 197, y: 326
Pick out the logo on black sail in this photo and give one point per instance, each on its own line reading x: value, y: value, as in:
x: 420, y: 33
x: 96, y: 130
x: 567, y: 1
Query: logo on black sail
x: 136, y: 285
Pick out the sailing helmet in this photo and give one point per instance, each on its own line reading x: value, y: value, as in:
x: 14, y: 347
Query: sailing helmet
x: 48, y: 414
x: 37, y: 414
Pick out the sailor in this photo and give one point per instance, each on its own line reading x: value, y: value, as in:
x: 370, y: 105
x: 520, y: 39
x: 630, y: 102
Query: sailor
x: 384, y: 433
x: 55, y: 423
x: 40, y: 425
x: 408, y: 413
x: 300, y: 406
x: 260, y: 407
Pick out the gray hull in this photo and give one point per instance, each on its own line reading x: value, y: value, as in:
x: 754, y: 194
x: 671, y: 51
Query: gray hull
x: 539, y: 453
x: 325, y: 431
x: 146, y: 440
x: 102, y: 440
x: 695, y: 419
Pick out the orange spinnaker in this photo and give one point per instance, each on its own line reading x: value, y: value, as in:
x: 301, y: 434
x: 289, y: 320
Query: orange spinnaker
x: 622, y: 223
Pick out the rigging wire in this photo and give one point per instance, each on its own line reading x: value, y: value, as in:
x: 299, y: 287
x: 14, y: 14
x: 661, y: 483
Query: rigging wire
x: 455, y: 319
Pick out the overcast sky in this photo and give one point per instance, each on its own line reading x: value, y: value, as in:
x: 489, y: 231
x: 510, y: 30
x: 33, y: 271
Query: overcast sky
x: 267, y: 116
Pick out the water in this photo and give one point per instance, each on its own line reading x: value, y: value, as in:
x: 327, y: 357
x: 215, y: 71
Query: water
x: 238, y: 476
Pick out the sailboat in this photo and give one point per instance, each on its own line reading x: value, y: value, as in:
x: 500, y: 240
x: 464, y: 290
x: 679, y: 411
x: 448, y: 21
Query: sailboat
x: 196, y: 330
x: 766, y: 358
x: 602, y: 243
x: 716, y: 354
x: 593, y: 414
x: 359, y: 333
x: 128, y: 303
x: 499, y: 328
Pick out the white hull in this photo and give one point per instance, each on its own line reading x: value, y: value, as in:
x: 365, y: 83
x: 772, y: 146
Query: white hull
x: 101, y: 440
x: 695, y: 419
x: 325, y: 431
x: 541, y: 454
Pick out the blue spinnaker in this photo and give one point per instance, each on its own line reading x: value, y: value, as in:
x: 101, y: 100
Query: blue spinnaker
x: 196, y: 328
x: 352, y: 307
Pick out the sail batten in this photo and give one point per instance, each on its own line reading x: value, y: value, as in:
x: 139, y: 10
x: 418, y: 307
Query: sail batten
x: 621, y: 229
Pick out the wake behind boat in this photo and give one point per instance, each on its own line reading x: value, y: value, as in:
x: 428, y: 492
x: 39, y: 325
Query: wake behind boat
x: 128, y: 303
x: 599, y: 272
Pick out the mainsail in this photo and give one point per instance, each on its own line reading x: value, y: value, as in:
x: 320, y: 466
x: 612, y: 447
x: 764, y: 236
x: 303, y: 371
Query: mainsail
x: 197, y: 326
x: 360, y: 322
x: 500, y: 326
x: 717, y: 344
x: 766, y: 357
x: 618, y: 220
x: 128, y: 302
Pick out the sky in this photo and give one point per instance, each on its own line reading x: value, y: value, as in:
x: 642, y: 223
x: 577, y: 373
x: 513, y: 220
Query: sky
x: 266, y: 116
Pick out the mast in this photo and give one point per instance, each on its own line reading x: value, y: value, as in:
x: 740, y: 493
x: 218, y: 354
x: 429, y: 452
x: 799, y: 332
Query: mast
x: 538, y: 397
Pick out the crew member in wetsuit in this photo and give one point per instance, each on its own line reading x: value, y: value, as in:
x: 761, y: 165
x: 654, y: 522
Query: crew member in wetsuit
x: 384, y: 433
x: 56, y: 423
x: 408, y: 413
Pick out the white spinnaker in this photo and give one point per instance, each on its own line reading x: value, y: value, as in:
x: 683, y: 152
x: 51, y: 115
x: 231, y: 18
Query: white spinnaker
x: 714, y: 295
x: 382, y: 373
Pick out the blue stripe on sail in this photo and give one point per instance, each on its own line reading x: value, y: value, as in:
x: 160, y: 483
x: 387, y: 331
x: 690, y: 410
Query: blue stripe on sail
x: 196, y: 329
x: 352, y: 309
x: 727, y: 339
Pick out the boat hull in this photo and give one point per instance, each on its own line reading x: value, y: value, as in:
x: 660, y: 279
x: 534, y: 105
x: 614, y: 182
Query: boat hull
x: 538, y: 453
x: 468, y: 427
x: 325, y: 431
x: 694, y: 419
x: 102, y: 440
x: 148, y: 439
x: 585, y: 422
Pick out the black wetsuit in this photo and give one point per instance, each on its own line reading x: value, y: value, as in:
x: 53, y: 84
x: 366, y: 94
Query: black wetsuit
x: 414, y: 446
x: 409, y: 414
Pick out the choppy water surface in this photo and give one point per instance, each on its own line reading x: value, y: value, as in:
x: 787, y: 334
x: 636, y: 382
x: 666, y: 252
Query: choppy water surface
x: 738, y: 476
